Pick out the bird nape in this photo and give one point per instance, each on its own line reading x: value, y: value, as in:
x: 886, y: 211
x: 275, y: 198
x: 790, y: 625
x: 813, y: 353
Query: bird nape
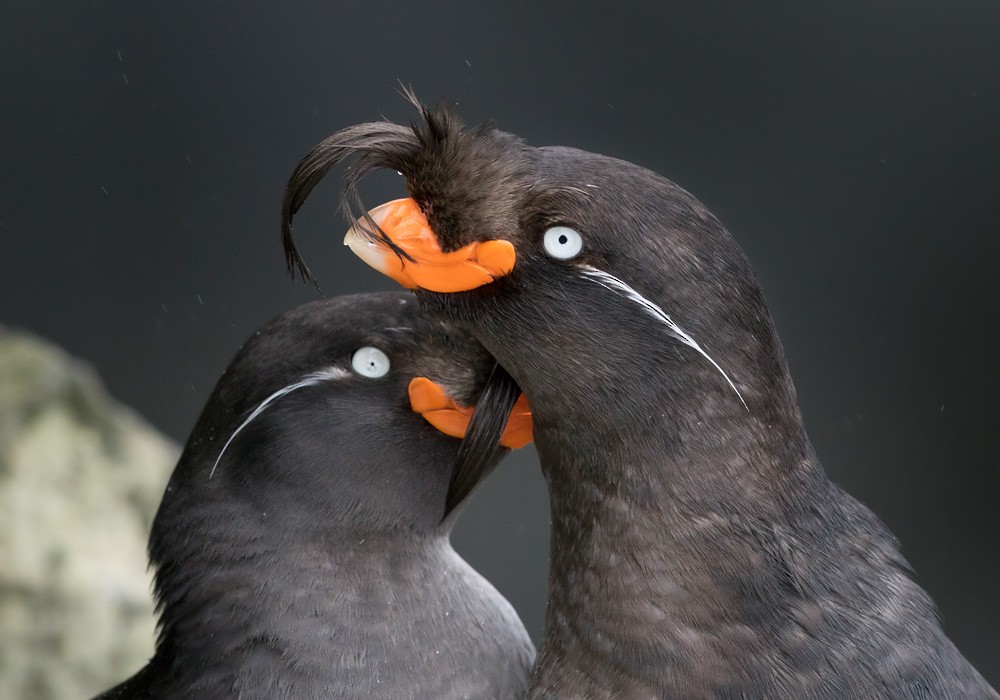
x: 302, y: 545
x: 698, y: 549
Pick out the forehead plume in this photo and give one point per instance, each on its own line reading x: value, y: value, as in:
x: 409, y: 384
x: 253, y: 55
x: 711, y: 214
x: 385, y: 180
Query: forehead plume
x: 458, y: 176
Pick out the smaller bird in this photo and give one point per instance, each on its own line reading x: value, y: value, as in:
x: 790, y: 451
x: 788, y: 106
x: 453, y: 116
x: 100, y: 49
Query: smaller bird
x: 302, y: 544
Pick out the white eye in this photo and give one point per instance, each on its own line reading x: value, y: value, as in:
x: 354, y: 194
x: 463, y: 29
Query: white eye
x: 562, y: 242
x: 370, y: 362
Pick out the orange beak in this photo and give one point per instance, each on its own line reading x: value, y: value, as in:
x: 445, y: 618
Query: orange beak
x: 406, y: 226
x: 431, y: 401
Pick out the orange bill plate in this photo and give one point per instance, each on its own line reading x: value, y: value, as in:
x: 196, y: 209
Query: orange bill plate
x: 430, y: 400
x: 469, y: 267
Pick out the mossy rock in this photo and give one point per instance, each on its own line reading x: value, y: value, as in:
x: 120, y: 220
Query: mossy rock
x: 80, y: 479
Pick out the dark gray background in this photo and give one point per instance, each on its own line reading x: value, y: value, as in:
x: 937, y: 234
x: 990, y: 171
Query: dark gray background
x: 851, y: 147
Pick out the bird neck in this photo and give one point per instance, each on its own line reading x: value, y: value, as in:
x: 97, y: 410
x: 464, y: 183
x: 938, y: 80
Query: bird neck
x: 667, y: 526
x: 229, y: 592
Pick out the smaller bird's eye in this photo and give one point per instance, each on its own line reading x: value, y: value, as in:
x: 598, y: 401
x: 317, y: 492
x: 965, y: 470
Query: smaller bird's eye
x: 370, y: 362
x: 562, y: 242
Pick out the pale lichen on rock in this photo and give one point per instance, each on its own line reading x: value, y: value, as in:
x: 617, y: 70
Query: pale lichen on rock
x: 80, y: 480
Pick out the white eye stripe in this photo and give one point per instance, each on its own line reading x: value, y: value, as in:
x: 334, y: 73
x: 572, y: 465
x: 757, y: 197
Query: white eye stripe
x: 370, y: 362
x: 612, y: 283
x: 324, y: 375
x: 562, y: 242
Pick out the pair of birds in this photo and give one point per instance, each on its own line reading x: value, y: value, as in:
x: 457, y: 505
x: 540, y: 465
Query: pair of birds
x: 698, y: 549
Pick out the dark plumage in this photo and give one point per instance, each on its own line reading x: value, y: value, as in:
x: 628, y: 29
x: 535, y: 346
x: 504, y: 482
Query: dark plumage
x: 312, y: 560
x: 698, y: 548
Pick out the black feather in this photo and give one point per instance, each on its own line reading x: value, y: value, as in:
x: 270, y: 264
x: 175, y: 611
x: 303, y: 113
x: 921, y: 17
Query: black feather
x: 441, y: 161
x: 481, y: 446
x: 373, y: 146
x: 376, y: 145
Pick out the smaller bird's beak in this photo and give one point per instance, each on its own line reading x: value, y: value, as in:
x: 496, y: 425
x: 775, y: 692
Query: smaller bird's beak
x: 428, y: 267
x: 430, y: 400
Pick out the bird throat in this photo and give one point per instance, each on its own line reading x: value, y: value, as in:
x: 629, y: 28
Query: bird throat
x: 652, y: 537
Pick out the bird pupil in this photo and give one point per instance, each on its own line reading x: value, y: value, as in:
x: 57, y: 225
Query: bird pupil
x: 563, y: 239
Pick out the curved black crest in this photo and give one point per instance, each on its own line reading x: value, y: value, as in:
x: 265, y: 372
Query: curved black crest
x: 481, y: 444
x: 373, y: 146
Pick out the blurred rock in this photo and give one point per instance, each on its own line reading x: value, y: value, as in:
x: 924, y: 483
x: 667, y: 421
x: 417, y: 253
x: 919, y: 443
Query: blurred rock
x: 80, y: 479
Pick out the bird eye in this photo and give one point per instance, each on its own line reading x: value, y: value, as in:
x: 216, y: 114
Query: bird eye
x: 370, y: 362
x: 562, y: 242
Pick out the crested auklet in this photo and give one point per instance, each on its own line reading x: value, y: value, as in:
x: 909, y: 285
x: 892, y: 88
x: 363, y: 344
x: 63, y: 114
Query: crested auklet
x: 302, y: 545
x: 698, y: 548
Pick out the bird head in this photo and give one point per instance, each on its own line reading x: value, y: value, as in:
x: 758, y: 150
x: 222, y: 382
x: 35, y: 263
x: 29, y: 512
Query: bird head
x: 358, y: 407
